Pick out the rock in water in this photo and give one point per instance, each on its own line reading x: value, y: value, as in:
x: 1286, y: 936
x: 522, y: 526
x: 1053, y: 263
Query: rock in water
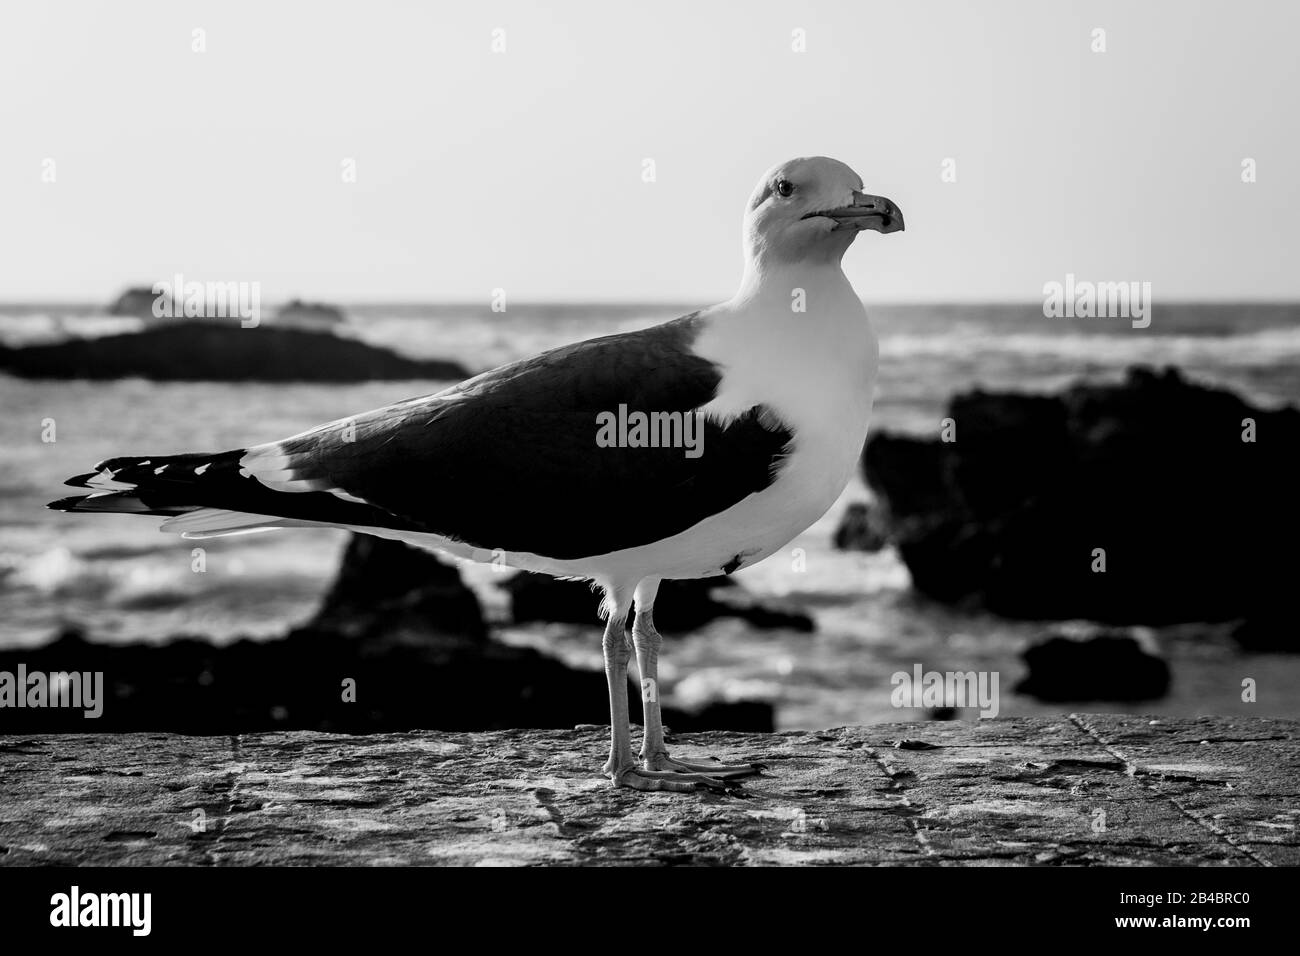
x: 139, y: 301
x: 1121, y: 665
x: 385, y: 585
x: 210, y: 351
x: 1266, y: 635
x: 861, y: 529
x: 540, y: 597
x: 1131, y: 503
x: 309, y: 314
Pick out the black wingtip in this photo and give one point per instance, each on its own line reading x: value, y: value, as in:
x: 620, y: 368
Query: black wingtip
x: 81, y: 481
x: 67, y: 504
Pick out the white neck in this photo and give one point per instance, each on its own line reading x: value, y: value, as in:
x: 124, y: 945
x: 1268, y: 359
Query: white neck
x: 786, y: 327
x: 774, y: 283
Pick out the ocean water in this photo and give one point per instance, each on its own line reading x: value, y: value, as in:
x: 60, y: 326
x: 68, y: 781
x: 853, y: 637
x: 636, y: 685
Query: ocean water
x: 121, y: 580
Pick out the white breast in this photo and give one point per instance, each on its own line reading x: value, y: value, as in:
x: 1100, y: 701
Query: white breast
x: 817, y: 370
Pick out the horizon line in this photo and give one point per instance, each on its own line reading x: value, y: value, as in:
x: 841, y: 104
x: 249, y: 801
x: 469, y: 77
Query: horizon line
x: 656, y: 303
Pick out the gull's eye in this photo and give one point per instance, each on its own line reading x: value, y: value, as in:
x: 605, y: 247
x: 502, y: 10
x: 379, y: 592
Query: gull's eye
x: 784, y: 188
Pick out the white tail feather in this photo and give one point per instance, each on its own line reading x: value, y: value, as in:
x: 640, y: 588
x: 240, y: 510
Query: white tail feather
x: 216, y: 522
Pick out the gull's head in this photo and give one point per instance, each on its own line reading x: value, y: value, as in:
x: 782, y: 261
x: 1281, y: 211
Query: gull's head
x: 811, y: 209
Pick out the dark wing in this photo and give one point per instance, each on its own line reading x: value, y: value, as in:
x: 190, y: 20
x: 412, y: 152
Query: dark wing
x: 510, y: 460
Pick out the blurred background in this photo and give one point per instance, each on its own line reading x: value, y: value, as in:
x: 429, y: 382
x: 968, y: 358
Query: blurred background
x: 418, y: 195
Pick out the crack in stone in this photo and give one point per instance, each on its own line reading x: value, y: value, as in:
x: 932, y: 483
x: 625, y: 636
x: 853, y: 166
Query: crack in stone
x: 1142, y: 779
x: 232, y: 787
x: 913, y: 812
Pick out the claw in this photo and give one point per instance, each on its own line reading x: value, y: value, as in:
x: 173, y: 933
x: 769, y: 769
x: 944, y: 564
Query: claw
x: 669, y: 781
x: 663, y: 762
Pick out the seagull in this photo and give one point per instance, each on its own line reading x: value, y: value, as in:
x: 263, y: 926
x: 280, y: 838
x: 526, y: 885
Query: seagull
x: 696, y: 447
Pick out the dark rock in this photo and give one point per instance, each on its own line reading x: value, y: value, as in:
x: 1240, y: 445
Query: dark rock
x: 397, y: 621
x: 719, y: 714
x: 298, y: 312
x: 862, y: 528
x: 205, y: 350
x: 908, y: 473
x: 539, y: 597
x: 137, y: 301
x: 1087, y: 665
x: 1266, y: 635
x: 385, y: 586
x: 680, y: 606
x: 1153, y: 471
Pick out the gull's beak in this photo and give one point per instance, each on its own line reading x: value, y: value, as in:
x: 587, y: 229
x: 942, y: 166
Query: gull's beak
x: 866, y: 212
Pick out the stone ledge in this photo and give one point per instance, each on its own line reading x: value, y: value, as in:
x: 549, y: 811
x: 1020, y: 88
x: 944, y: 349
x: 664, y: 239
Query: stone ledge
x: 1079, y: 789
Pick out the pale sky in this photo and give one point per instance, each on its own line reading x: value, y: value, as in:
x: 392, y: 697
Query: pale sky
x: 523, y: 169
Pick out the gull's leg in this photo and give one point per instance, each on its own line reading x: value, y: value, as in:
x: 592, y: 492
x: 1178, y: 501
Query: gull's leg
x: 622, y: 766
x: 654, y: 755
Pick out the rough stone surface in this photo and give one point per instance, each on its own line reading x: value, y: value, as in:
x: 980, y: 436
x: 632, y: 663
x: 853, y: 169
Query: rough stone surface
x: 1079, y: 789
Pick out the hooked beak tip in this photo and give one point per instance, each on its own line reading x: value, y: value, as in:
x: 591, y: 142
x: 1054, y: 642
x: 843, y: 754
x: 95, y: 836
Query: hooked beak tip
x: 866, y: 212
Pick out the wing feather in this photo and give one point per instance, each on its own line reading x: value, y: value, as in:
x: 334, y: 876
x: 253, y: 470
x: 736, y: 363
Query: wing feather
x: 509, y: 459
